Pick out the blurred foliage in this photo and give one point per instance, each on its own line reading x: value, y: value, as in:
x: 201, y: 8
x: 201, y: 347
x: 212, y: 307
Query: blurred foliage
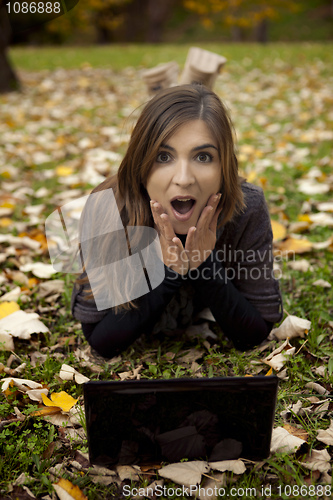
x: 240, y: 14
x: 179, y: 21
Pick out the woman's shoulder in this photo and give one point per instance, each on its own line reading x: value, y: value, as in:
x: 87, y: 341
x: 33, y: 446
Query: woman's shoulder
x: 254, y: 197
x: 252, y: 215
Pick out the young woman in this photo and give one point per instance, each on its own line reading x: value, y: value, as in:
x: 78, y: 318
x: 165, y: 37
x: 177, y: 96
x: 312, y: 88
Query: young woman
x: 180, y: 177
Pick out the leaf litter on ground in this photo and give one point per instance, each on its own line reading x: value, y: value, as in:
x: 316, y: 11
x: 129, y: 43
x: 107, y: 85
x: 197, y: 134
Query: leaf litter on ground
x: 44, y: 165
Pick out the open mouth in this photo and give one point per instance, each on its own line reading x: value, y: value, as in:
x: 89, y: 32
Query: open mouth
x: 183, y: 206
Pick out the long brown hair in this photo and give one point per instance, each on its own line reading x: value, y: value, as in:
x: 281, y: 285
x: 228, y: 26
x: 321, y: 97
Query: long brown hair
x: 160, y: 118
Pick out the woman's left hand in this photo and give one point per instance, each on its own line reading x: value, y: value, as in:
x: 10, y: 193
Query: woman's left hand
x: 201, y: 239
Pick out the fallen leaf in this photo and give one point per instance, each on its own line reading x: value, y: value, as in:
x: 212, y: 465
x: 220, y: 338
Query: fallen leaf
x: 326, y: 436
x: 284, y: 442
x: 279, y: 356
x: 68, y: 491
x: 13, y: 295
x: 296, y: 431
x: 318, y: 460
x: 21, y: 324
x: 127, y: 472
x: 23, y: 385
x: 235, y: 466
x: 61, y: 399
x: 7, y: 308
x: 292, y: 327
x: 292, y: 245
x: 322, y: 283
x: 69, y: 373
x: 185, y: 473
x: 317, y: 387
x: 6, y: 342
x: 302, y: 265
x: 279, y: 230
x: 149, y: 491
x: 39, y: 269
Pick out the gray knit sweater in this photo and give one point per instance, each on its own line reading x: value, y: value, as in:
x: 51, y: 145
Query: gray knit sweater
x: 244, y: 248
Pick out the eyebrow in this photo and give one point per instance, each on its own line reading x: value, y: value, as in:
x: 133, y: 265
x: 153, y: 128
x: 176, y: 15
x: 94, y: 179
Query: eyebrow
x: 197, y: 148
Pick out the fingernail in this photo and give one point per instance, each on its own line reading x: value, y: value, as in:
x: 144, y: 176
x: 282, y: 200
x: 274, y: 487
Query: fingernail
x: 216, y: 197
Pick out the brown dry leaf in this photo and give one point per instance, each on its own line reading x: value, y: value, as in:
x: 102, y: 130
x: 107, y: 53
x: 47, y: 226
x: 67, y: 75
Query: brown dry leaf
x: 292, y: 327
x: 210, y: 485
x: 185, y: 473
x: 23, y: 385
x: 235, y: 466
x: 318, y: 460
x: 68, y: 491
x: 127, y: 472
x: 69, y: 373
x: 296, y: 431
x: 326, y: 436
x: 283, y: 441
x: 6, y: 342
x: 317, y: 387
x: 279, y: 356
x: 149, y: 491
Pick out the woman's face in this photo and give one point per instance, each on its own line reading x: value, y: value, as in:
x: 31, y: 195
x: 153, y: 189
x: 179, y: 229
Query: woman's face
x: 186, y: 172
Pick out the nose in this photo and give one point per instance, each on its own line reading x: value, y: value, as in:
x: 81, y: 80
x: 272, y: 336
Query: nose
x: 183, y: 173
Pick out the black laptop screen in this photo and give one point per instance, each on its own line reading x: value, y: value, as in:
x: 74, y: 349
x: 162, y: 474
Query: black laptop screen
x: 144, y: 421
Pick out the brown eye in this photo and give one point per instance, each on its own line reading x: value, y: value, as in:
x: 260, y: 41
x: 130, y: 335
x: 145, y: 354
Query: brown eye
x: 204, y: 157
x: 163, y: 157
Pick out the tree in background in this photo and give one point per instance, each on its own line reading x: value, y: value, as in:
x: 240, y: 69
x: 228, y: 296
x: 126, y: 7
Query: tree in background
x: 106, y: 21
x: 241, y: 15
x: 8, y: 78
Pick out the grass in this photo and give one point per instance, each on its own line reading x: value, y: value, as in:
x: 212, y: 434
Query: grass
x: 34, y: 446
x: 118, y: 57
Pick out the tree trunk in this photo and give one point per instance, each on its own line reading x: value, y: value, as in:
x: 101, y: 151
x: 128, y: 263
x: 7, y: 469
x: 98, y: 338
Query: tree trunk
x: 135, y: 21
x: 261, y: 31
x: 8, y: 78
x: 158, y: 13
x: 236, y: 33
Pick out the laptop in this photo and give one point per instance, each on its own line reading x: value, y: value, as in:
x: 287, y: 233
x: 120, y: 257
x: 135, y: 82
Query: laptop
x: 149, y: 421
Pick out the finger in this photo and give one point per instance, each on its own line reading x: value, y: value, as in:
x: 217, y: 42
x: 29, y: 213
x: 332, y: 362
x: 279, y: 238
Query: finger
x: 214, y: 220
x: 168, y: 231
x: 209, y: 212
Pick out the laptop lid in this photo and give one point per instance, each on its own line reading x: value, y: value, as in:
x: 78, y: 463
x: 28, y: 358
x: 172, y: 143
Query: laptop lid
x: 145, y: 421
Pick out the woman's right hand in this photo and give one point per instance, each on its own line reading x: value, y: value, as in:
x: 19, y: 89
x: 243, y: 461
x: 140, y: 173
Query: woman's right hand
x: 174, y: 255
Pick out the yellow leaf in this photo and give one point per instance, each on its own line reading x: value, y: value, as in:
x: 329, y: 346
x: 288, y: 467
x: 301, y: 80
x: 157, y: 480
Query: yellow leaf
x: 70, y: 488
x: 279, y: 231
x: 62, y: 170
x: 7, y: 204
x: 61, y: 399
x: 304, y: 218
x: 5, y: 222
x: 294, y: 245
x: 50, y: 410
x: 252, y: 176
x: 270, y: 371
x: 7, y: 308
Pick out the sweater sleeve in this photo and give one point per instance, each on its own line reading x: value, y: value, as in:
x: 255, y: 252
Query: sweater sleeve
x: 115, y: 332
